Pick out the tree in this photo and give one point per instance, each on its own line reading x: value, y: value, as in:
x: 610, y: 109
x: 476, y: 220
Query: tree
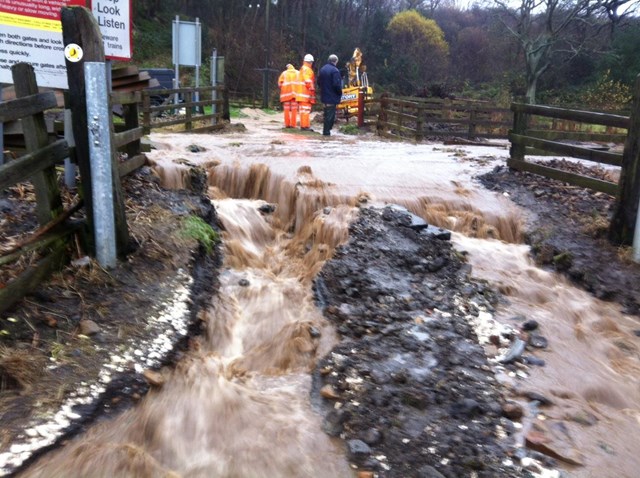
x: 420, y: 53
x: 545, y: 28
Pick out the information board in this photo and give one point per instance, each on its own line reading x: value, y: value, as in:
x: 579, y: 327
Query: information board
x: 31, y: 32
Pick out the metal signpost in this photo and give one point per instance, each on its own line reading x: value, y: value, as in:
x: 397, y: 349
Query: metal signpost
x: 187, y: 46
x: 217, y: 78
x: 100, y: 156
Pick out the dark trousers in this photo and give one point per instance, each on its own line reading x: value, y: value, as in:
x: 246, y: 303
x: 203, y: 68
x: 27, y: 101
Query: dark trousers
x: 329, y: 118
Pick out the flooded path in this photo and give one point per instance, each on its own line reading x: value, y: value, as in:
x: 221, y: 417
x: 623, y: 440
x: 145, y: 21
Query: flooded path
x: 238, y: 405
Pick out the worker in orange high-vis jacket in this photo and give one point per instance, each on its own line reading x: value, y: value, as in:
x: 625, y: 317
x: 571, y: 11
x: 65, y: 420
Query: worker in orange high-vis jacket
x: 288, y: 83
x: 306, y: 94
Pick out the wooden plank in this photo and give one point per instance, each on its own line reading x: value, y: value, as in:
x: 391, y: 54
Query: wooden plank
x: 131, y: 164
x: 13, y: 110
x: 573, y: 115
x: 606, y: 157
x: 29, y: 280
x: 553, y: 135
x: 24, y: 167
x: 128, y: 136
x: 128, y: 70
x: 567, y: 177
x: 34, y: 128
x: 41, y: 242
x: 126, y: 97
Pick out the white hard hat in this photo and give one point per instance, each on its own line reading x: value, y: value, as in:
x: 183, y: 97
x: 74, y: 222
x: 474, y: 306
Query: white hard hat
x: 308, y: 57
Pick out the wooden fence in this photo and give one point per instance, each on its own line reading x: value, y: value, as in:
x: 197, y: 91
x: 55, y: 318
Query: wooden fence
x: 525, y: 140
x: 191, y: 112
x: 38, y: 166
x: 420, y: 118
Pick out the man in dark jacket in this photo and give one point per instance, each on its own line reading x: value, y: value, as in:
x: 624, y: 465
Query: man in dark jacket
x: 330, y: 84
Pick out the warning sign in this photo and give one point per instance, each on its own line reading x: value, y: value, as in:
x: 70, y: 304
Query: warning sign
x: 114, y: 18
x: 31, y: 32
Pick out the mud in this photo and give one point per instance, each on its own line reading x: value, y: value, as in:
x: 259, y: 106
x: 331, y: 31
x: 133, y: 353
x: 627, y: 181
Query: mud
x: 409, y: 389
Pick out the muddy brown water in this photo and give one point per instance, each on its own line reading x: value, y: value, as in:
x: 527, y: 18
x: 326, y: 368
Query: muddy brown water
x: 238, y: 405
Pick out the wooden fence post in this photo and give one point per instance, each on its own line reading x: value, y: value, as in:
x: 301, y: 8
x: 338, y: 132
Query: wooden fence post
x: 419, y: 121
x: 131, y: 121
x: 146, y: 112
x: 49, y: 202
x: 188, y: 99
x: 79, y: 26
x: 446, y: 108
x: 520, y: 121
x: 382, y: 114
x: 622, y: 225
x: 473, y: 117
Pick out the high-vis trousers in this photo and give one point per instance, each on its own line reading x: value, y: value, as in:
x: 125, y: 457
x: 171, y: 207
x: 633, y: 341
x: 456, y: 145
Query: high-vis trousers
x: 305, y: 114
x: 290, y: 109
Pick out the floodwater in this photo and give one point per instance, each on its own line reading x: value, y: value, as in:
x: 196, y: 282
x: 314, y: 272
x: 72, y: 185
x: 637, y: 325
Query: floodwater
x: 238, y: 405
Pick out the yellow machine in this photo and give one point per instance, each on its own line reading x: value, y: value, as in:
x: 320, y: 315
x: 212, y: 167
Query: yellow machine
x: 356, y: 81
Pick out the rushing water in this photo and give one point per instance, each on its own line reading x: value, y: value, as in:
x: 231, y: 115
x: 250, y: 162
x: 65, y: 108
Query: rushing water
x: 238, y: 405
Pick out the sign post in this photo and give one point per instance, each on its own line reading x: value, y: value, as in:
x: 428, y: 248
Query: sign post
x: 187, y: 45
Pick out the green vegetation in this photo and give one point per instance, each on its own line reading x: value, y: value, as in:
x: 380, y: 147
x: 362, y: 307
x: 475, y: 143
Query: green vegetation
x: 194, y: 227
x: 350, y: 128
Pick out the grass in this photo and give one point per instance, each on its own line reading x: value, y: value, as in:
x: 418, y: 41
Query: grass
x: 196, y: 228
x: 350, y: 128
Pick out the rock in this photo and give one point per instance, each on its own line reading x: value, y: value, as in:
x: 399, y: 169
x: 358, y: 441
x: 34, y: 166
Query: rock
x: 583, y: 418
x: 513, y: 410
x: 328, y: 392
x: 81, y: 262
x: 314, y: 332
x: 244, y: 283
x: 372, y: 436
x: 538, y: 341
x: 89, y: 327
x: 537, y: 397
x: 358, y: 450
x: 155, y: 379
x: 531, y: 360
x: 267, y: 208
x: 6, y: 206
x: 365, y: 474
x: 436, y: 264
x: 467, y: 407
x: 333, y: 422
x: 541, y: 441
x: 429, y: 472
x: 194, y: 148
x: 514, y: 353
x: 530, y: 325
x: 437, y: 232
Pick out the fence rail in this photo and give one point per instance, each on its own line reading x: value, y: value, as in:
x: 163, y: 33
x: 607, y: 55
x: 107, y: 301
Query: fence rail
x: 419, y: 118
x: 190, y: 107
x: 523, y: 142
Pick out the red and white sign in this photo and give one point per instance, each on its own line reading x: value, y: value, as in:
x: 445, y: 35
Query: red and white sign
x: 114, y: 19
